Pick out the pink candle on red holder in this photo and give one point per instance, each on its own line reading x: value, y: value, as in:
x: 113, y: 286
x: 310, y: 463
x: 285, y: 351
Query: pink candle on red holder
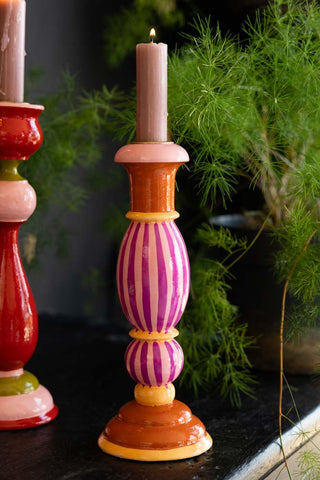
x: 152, y: 85
x: 12, y: 49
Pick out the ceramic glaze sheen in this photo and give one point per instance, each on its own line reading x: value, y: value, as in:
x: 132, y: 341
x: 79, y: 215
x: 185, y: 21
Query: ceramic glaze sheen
x: 20, y: 132
x: 154, y: 363
x: 18, y: 314
x: 23, y: 402
x: 153, y: 275
x: 17, y: 201
x: 153, y: 280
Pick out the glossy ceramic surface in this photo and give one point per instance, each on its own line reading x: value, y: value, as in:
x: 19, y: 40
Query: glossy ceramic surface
x: 153, y: 280
x: 17, y: 200
x: 27, y: 410
x: 160, y: 427
x: 18, y: 314
x: 152, y: 169
x: 153, y: 276
x: 20, y: 132
x: 23, y: 402
x: 154, y: 363
x: 18, y: 385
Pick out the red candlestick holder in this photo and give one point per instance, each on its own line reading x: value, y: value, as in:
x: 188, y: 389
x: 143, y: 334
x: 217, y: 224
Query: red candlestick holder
x: 23, y: 402
x: 153, y: 279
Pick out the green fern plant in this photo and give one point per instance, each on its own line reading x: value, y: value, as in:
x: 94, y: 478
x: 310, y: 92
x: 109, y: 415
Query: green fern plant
x: 246, y: 109
x: 215, y: 343
x: 135, y: 22
x: 72, y: 124
x: 247, y: 112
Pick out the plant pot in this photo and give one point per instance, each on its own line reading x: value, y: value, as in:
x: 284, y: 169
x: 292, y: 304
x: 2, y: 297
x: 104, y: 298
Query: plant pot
x: 259, y: 297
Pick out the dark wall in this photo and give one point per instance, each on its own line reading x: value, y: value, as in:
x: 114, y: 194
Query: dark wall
x: 68, y: 34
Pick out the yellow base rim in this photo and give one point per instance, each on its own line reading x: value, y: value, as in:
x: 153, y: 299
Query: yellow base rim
x: 142, y: 455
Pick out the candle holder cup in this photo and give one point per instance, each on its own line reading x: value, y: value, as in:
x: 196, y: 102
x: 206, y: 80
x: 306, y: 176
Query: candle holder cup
x: 23, y: 402
x: 153, y: 280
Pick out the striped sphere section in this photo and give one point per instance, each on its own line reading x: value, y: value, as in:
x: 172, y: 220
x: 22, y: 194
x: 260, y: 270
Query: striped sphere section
x: 153, y: 275
x: 154, y: 363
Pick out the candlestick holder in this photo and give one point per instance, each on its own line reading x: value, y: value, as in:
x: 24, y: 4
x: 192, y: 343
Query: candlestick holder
x: 153, y: 280
x: 23, y: 402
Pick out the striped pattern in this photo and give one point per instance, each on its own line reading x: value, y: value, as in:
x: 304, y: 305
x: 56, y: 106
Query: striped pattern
x: 154, y: 363
x: 153, y: 275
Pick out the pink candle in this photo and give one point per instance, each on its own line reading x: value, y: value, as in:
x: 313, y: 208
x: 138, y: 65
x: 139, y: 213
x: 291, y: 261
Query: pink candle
x: 152, y: 110
x: 12, y: 49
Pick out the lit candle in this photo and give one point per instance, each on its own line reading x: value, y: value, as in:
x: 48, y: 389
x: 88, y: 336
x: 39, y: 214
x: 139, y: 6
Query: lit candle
x: 152, y: 110
x: 12, y: 49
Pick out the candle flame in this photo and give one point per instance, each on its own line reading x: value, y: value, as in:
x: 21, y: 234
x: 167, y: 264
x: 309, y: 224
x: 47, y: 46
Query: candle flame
x: 152, y: 34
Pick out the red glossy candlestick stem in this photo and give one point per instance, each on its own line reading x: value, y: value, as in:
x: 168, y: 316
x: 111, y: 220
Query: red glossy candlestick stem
x: 18, y: 314
x: 23, y: 402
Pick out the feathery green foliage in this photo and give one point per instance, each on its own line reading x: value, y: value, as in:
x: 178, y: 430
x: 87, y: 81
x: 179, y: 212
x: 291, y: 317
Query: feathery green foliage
x: 309, y: 465
x: 213, y: 341
x: 134, y: 23
x: 72, y: 125
x: 303, y: 289
x: 246, y: 109
x: 249, y: 108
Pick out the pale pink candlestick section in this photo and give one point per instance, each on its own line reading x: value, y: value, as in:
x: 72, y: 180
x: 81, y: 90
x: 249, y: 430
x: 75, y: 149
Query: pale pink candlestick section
x: 152, y: 84
x: 12, y: 49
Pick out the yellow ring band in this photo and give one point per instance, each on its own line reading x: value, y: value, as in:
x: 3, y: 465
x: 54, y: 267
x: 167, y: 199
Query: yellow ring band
x: 153, y: 336
x: 148, y: 217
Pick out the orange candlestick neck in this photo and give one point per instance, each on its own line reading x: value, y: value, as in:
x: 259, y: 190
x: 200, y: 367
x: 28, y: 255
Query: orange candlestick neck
x: 152, y: 186
x: 152, y: 169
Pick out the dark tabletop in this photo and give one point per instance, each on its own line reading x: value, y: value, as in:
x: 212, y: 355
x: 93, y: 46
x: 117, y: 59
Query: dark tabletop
x: 81, y: 363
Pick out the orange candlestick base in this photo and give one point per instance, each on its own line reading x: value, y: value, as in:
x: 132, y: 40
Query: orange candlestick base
x: 158, y: 433
x: 155, y: 427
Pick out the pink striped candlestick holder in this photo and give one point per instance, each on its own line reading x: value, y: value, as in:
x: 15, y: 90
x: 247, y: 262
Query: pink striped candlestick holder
x: 153, y: 280
x: 23, y: 402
